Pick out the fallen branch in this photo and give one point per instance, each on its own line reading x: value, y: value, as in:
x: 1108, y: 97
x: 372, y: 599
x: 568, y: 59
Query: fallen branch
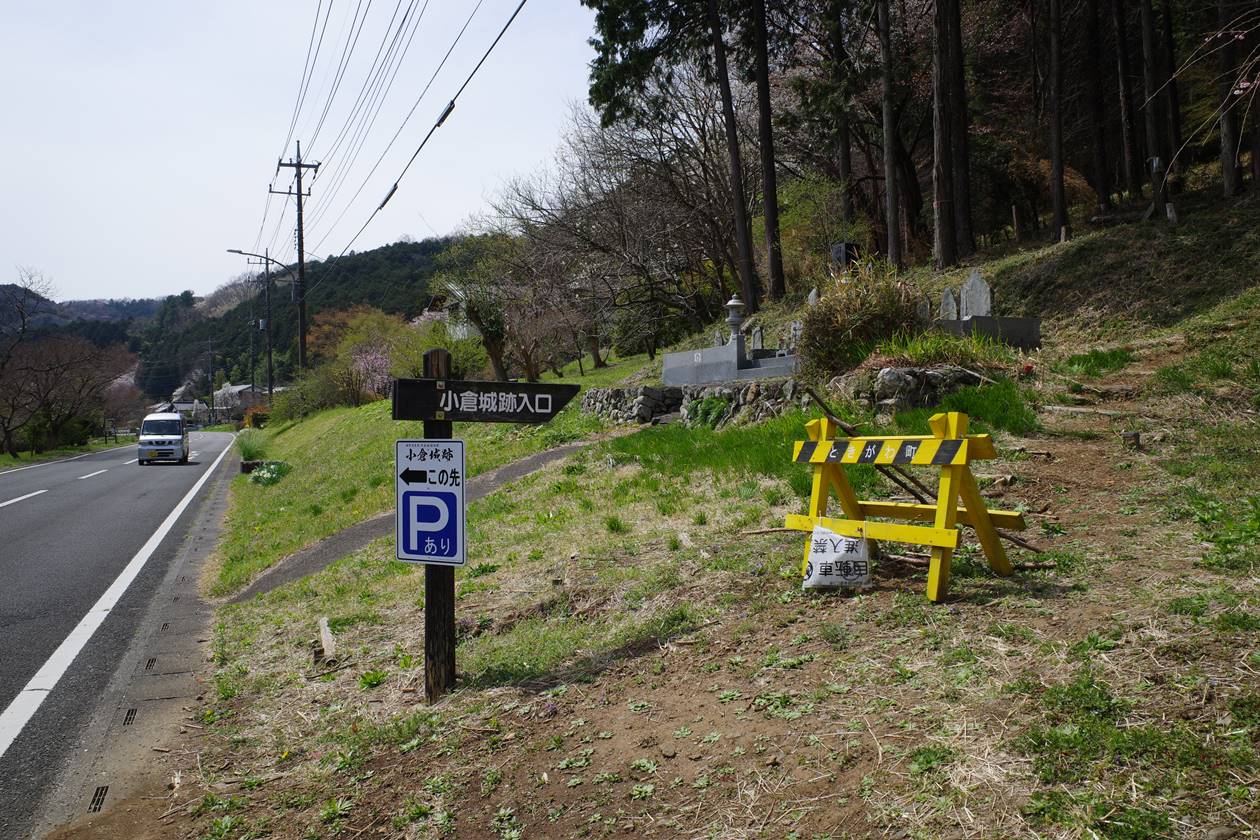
x: 340, y: 667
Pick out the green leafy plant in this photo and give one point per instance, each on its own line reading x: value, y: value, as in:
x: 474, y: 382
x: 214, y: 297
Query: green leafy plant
x: 372, y: 679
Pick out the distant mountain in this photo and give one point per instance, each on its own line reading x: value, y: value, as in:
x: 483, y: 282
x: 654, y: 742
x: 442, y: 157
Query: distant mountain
x: 119, y: 309
x: 54, y: 314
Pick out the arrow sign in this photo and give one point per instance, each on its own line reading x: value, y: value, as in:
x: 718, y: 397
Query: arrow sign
x: 429, y: 503
x: 414, y: 476
x: 479, y: 402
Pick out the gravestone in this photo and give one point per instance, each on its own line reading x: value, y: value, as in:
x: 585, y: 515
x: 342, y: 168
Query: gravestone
x: 843, y: 254
x: 758, y: 338
x: 949, y: 306
x: 718, y: 339
x: 975, y: 298
x: 813, y: 296
x: 923, y: 311
x: 795, y: 340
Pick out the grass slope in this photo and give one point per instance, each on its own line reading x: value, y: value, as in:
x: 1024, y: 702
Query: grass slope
x: 342, y: 466
x: 634, y: 662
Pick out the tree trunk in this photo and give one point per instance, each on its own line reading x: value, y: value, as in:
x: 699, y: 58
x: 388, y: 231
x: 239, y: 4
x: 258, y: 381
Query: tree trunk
x: 592, y: 344
x: 892, y: 206
x: 1255, y: 148
x: 1098, y: 126
x: 1128, y: 130
x: 960, y: 129
x: 1058, y: 198
x: 944, y: 245
x: 844, y: 153
x: 765, y: 136
x: 1173, y: 110
x: 747, y: 275
x: 1157, y: 161
x: 494, y: 350
x: 1231, y: 173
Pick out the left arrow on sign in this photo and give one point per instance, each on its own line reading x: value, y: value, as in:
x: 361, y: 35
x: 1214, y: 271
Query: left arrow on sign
x: 414, y: 476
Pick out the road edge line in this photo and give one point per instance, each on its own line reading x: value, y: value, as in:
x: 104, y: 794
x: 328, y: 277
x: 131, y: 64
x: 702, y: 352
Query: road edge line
x: 23, y: 706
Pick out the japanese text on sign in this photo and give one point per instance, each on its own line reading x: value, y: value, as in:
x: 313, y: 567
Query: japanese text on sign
x: 429, y: 480
x: 495, y: 401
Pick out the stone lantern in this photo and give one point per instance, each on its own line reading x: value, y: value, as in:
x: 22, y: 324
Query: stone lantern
x: 735, y: 316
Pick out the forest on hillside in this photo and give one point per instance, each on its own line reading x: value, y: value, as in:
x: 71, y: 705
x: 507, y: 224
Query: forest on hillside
x: 729, y: 144
x: 181, y: 338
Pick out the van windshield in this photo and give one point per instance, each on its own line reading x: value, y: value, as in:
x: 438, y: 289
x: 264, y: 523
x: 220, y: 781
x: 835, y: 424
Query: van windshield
x: 160, y: 427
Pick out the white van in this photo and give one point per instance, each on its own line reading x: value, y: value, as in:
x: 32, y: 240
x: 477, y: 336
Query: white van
x: 164, y: 436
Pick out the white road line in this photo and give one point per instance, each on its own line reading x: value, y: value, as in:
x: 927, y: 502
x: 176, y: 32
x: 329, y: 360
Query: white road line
x: 20, y: 498
x: 63, y: 460
x: 89, y: 475
x: 132, y: 461
x: 23, y: 707
x: 193, y: 454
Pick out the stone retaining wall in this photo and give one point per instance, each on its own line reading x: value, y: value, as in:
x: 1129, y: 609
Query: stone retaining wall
x: 749, y: 401
x: 889, y: 390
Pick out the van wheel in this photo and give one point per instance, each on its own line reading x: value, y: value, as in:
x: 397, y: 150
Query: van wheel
x: 184, y: 458
x: 142, y: 462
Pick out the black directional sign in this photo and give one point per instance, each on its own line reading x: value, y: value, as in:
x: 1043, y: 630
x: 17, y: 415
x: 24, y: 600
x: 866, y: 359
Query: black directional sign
x: 479, y: 402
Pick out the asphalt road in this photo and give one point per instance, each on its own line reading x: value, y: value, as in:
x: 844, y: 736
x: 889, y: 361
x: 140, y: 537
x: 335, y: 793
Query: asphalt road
x: 67, y: 530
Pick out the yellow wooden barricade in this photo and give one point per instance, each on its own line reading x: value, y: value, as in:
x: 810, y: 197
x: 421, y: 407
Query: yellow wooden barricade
x: 950, y: 448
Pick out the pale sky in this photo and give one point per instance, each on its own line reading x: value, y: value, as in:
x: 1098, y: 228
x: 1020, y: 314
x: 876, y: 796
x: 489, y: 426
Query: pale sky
x: 140, y: 135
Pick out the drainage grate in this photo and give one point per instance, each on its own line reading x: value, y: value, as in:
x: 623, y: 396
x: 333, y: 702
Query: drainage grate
x: 129, y: 718
x: 165, y: 625
x: 148, y: 666
x: 98, y: 799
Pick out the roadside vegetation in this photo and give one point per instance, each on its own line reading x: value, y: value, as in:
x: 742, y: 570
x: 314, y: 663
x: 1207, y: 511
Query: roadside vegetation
x: 636, y: 654
x: 94, y: 445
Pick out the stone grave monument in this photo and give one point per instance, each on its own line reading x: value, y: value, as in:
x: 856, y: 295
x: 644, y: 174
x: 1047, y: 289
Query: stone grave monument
x: 730, y: 361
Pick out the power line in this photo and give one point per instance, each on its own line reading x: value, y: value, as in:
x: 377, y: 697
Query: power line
x: 308, y: 72
x: 392, y: 140
x: 359, y: 137
x: 346, y: 52
x: 377, y: 70
x: 446, y: 112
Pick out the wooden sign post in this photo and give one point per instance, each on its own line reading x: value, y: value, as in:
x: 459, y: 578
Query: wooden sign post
x: 439, y: 581
x: 439, y: 401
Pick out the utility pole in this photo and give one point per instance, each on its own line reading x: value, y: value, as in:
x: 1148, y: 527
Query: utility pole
x: 267, y: 275
x: 210, y: 376
x: 298, y: 166
x: 264, y: 259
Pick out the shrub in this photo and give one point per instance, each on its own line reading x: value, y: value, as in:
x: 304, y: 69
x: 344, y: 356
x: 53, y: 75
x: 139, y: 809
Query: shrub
x: 841, y: 329
x: 256, y: 416
x: 314, y: 390
x: 270, y: 473
x: 252, y: 446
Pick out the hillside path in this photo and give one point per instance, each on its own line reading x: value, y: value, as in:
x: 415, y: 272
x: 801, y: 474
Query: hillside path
x: 313, y: 558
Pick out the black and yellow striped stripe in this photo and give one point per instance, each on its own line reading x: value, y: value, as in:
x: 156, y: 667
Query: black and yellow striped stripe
x: 916, y: 450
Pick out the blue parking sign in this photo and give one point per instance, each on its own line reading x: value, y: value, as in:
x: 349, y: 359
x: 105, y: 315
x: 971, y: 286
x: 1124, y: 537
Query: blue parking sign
x: 429, y: 480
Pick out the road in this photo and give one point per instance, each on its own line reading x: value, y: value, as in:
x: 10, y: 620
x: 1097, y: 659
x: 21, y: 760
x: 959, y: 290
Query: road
x: 72, y: 534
